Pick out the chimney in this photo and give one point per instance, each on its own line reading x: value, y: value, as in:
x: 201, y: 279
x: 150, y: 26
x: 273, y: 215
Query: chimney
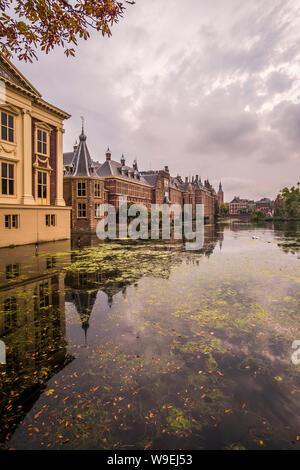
x: 197, y: 178
x: 123, y: 160
x: 134, y: 166
x: 192, y: 179
x: 75, y: 147
x: 166, y: 169
x: 108, y: 154
x: 186, y: 179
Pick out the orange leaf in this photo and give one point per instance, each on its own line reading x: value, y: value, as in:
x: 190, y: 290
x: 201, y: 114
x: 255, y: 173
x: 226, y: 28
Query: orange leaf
x: 148, y: 445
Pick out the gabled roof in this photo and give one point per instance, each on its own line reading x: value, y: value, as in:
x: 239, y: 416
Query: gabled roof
x: 264, y: 200
x: 9, y: 72
x: 12, y: 76
x: 113, y: 168
x: 235, y: 200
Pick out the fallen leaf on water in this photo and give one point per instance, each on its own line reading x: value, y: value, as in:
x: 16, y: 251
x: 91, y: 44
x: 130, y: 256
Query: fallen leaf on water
x: 148, y: 445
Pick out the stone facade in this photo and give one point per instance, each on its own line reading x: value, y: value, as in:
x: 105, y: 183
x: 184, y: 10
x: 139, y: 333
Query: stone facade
x: 32, y: 208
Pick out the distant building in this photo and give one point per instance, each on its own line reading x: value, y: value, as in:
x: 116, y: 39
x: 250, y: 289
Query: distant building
x: 220, y: 195
x: 32, y: 207
x: 243, y: 206
x: 266, y: 205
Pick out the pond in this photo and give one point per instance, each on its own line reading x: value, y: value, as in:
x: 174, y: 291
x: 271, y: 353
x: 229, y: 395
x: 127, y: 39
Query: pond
x: 143, y: 345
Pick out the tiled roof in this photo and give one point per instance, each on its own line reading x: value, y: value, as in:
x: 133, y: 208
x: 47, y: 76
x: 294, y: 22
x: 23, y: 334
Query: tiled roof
x: 68, y: 157
x: 113, y: 168
x: 151, y: 179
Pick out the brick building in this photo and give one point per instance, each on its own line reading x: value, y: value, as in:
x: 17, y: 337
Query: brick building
x: 88, y: 184
x: 244, y: 206
x: 121, y: 180
x: 265, y: 205
x: 84, y: 191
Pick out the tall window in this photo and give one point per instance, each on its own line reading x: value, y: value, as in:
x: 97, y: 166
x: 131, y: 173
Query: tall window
x: 81, y: 210
x: 41, y: 142
x: 42, y: 184
x: 97, y: 190
x: 81, y: 189
x: 98, y: 210
x: 10, y: 313
x: 44, y: 290
x: 7, y: 127
x: 7, y: 179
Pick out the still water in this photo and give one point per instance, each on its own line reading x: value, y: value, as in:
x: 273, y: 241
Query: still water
x: 144, y: 345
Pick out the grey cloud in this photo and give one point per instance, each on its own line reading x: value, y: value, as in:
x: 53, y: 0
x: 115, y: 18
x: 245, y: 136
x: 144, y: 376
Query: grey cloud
x: 173, y: 86
x: 278, y: 82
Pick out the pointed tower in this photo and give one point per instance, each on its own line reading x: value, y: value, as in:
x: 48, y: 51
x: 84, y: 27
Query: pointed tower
x: 82, y: 162
x: 83, y: 188
x: 220, y: 195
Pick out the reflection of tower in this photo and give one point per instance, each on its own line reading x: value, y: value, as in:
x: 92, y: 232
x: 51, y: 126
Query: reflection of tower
x: 220, y: 195
x: 84, y: 303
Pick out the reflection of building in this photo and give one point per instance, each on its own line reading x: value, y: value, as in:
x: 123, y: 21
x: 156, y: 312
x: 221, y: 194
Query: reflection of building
x: 32, y: 208
x: 88, y: 184
x: 32, y: 326
x: 84, y: 302
x: 113, y: 277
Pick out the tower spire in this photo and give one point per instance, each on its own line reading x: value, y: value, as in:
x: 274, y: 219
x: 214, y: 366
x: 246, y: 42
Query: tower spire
x: 82, y: 119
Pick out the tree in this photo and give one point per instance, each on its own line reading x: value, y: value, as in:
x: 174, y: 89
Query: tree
x: 258, y: 216
x: 287, y: 205
x: 224, y: 208
x: 26, y: 25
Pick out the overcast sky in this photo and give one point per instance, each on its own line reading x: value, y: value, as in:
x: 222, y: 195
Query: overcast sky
x: 208, y: 87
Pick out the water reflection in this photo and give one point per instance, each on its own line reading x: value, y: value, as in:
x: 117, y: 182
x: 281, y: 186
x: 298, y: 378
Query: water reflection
x: 115, y: 345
